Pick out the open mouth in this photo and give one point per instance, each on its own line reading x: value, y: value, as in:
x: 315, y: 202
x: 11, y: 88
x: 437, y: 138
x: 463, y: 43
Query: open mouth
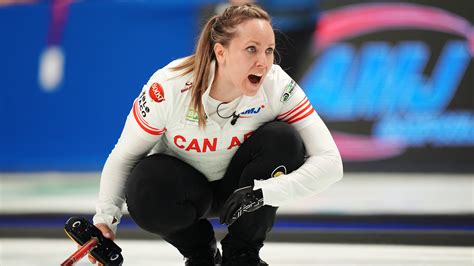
x: 255, y: 79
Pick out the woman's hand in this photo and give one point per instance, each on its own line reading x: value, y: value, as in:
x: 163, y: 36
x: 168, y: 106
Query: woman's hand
x: 107, y: 234
x: 241, y: 201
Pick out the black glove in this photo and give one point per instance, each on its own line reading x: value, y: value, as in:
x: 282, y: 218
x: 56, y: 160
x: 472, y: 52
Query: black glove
x: 242, y: 200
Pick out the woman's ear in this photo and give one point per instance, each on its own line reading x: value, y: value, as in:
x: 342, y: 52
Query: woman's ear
x: 219, y: 52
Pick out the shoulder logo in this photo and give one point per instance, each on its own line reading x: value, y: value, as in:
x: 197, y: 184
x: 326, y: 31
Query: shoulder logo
x: 156, y: 92
x: 142, y: 104
x: 288, y: 92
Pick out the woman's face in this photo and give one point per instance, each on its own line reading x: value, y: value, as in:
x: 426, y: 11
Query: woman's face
x: 248, y: 57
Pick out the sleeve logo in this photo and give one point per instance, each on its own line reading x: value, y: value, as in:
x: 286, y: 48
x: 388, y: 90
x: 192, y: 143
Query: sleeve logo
x: 280, y: 170
x: 288, y: 92
x: 156, y: 92
x: 142, y: 104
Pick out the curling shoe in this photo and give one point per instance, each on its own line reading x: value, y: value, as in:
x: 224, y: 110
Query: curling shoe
x: 212, y: 258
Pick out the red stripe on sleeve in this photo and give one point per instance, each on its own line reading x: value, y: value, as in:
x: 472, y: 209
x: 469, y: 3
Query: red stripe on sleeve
x: 143, y: 121
x: 301, y: 117
x: 294, y: 109
x: 143, y: 124
x: 301, y: 110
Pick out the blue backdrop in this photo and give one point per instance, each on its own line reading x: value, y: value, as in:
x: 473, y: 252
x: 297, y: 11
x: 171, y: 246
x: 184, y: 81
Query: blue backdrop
x: 395, y: 91
x: 111, y: 48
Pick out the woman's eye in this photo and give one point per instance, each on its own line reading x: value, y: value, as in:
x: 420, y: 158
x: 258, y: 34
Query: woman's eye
x: 251, y: 49
x: 270, y: 51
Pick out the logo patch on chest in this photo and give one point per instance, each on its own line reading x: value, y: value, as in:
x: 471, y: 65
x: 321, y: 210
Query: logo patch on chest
x: 192, y: 116
x: 251, y: 111
x: 288, y: 92
x: 187, y: 86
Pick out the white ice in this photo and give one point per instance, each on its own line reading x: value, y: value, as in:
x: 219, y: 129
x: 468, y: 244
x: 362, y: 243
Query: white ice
x: 31, y: 252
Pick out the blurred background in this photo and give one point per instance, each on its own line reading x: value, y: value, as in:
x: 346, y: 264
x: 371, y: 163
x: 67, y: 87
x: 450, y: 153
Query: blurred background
x: 393, y: 80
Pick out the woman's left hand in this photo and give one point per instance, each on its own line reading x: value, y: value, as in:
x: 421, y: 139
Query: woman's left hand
x: 242, y: 200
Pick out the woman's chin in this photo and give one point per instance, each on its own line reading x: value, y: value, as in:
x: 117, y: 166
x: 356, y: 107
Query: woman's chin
x: 251, y: 93
x: 252, y: 89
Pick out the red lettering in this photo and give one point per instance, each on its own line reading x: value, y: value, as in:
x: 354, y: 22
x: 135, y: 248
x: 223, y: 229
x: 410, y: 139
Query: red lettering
x: 157, y: 93
x: 194, y: 145
x: 234, y: 142
x: 246, y: 136
x: 175, y: 139
x: 207, y: 144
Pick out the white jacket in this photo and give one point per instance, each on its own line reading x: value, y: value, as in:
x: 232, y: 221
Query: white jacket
x: 162, y: 121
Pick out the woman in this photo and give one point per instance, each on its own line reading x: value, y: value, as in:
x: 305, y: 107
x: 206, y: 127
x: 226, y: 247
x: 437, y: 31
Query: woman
x: 224, y: 132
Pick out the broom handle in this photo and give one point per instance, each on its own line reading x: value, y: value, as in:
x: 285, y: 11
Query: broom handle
x: 81, y: 252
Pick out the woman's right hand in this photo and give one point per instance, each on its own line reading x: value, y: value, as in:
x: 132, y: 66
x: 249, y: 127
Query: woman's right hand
x: 107, y: 233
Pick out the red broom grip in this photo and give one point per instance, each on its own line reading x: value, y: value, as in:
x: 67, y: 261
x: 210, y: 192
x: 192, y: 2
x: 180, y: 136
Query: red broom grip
x: 81, y: 252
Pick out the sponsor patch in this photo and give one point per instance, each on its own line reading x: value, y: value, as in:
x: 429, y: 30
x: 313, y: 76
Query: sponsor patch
x: 251, y: 111
x: 192, y: 116
x: 142, y: 105
x: 156, y: 92
x: 280, y: 170
x: 187, y: 86
x: 288, y: 92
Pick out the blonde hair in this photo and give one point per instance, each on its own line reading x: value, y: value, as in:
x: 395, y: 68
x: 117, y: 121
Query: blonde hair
x: 218, y: 29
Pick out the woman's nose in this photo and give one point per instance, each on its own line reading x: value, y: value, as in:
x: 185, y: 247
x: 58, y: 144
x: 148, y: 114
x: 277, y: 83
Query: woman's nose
x: 261, y: 60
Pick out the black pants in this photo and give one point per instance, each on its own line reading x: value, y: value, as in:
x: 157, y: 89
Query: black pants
x: 170, y: 198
